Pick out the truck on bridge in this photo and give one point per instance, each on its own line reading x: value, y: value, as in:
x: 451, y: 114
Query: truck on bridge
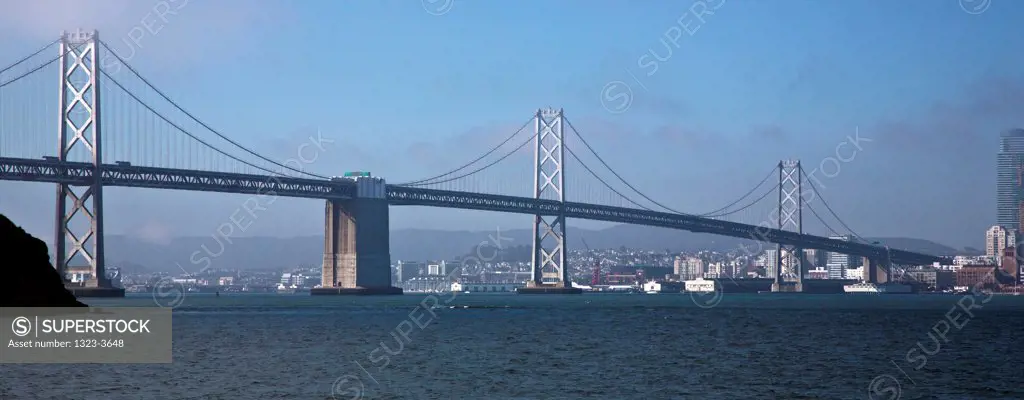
x: 352, y: 174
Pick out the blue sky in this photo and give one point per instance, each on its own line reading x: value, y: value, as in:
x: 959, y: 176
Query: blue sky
x: 408, y: 94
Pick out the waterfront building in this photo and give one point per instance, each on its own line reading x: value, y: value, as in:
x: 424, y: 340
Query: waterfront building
x: 997, y: 239
x: 407, y: 270
x: 486, y: 287
x: 700, y: 285
x: 1009, y: 263
x: 930, y: 277
x: 689, y: 267
x: 817, y: 259
x: 653, y: 287
x: 839, y: 264
x: 974, y: 277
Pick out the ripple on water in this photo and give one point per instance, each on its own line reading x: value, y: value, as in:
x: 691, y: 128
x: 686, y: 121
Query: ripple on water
x: 590, y: 346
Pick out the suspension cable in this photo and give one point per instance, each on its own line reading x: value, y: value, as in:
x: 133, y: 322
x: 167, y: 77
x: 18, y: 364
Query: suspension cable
x: 829, y: 208
x: 601, y: 160
x: 203, y: 124
x: 474, y: 171
x: 592, y: 173
x: 751, y: 204
x: 34, y: 70
x: 16, y: 63
x: 770, y: 173
x: 426, y: 181
x: 182, y: 130
x: 623, y: 180
x: 822, y: 220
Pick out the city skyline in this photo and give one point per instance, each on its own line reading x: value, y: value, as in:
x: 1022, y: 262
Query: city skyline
x: 687, y: 141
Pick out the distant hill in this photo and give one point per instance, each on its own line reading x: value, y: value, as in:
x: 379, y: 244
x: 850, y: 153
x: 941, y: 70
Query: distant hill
x: 260, y: 253
x: 971, y: 251
x: 919, y: 245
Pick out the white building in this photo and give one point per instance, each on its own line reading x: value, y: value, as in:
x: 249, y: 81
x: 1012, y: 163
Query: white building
x: 973, y: 260
x: 690, y: 267
x: 839, y: 264
x: 943, y: 267
x: 444, y: 268
x: 700, y: 285
x: 719, y: 270
x: 998, y: 239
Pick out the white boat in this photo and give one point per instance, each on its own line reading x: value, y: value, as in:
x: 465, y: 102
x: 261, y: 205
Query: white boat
x: 877, y: 288
x: 282, y: 289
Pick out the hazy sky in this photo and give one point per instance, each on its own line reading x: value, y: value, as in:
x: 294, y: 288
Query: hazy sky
x: 408, y: 94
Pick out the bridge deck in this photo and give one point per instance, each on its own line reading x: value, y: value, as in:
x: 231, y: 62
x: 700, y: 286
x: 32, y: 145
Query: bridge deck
x: 76, y: 173
x: 398, y: 195
x: 79, y: 173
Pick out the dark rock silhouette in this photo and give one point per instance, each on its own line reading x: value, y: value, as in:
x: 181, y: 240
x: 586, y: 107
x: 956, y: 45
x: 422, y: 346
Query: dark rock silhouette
x: 29, y: 280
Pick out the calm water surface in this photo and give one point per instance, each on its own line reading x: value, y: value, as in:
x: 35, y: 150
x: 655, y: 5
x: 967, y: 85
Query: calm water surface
x: 559, y: 347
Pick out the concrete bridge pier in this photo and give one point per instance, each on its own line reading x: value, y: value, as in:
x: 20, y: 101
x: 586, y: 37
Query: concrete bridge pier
x: 876, y: 270
x: 357, y: 254
x: 799, y: 259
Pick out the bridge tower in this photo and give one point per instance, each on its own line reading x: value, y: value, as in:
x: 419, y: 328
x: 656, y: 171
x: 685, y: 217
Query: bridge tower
x: 789, y: 258
x: 550, y: 273
x: 79, y: 136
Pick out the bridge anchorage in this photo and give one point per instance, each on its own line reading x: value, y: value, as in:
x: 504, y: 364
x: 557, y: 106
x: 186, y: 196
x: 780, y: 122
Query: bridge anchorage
x: 150, y: 150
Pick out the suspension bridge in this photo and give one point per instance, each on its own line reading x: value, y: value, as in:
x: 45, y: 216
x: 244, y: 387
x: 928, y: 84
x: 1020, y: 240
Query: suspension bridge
x: 138, y: 136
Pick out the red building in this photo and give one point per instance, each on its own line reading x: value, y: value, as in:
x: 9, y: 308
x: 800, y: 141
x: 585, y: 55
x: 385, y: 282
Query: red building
x: 976, y: 276
x: 1009, y: 263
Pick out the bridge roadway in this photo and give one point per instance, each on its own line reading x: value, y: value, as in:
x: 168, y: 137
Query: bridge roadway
x: 78, y: 173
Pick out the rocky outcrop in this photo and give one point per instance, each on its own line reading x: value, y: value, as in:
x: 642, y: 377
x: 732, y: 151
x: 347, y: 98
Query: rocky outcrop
x: 26, y: 275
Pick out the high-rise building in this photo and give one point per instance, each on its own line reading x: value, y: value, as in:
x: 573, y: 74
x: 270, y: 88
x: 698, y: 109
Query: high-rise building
x: 689, y: 268
x: 816, y: 258
x: 838, y: 263
x: 1009, y: 179
x: 997, y: 239
x: 410, y: 269
x: 770, y: 262
x: 772, y: 259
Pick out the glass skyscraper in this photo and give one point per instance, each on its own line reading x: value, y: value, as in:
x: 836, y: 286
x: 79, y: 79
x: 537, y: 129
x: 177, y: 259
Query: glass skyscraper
x: 1008, y: 180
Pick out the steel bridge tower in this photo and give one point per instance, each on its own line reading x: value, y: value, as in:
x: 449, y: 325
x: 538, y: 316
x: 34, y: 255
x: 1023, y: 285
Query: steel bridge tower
x: 79, y: 135
x: 789, y: 258
x: 550, y: 273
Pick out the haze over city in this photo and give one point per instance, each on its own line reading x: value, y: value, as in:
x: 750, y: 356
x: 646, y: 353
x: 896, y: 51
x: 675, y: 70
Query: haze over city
x: 753, y: 83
